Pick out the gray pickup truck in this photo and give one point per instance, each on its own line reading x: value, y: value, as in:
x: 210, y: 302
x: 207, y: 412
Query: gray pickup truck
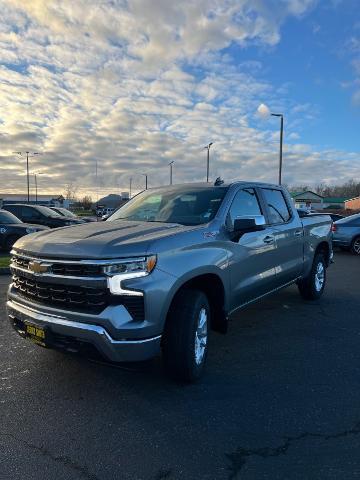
x: 163, y: 270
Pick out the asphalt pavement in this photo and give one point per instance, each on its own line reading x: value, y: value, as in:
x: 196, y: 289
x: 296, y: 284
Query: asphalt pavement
x: 280, y: 399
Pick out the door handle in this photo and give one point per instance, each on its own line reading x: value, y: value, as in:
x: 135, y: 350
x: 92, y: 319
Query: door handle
x: 269, y: 239
x: 298, y: 233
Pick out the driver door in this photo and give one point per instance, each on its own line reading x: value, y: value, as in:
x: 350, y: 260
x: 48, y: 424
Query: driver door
x: 251, y: 256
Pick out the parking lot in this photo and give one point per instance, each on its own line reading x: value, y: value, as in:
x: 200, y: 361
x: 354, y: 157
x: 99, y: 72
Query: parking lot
x: 280, y: 400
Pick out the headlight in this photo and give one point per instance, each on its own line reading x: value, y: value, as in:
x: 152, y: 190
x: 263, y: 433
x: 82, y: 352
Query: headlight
x: 31, y: 230
x: 126, y: 270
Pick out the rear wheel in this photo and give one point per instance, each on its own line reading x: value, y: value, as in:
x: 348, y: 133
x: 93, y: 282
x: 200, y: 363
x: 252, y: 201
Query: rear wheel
x: 185, y: 340
x: 355, y: 246
x: 312, y: 287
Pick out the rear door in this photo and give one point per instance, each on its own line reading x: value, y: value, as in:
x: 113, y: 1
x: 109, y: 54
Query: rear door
x: 31, y: 215
x: 288, y: 233
x: 251, y: 263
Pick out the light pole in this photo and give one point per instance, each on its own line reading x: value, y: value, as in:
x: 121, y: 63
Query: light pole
x: 281, y: 142
x: 28, y: 155
x: 36, y: 186
x: 208, y: 161
x: 263, y: 110
x: 146, y: 179
x: 171, y: 170
x: 130, y: 188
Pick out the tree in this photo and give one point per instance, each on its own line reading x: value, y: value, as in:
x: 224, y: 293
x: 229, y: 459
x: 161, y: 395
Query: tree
x: 70, y: 191
x: 86, y: 202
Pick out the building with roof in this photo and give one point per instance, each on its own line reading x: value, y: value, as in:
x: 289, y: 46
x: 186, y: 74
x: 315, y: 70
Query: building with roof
x: 310, y: 199
x: 353, y: 204
x: 334, y: 203
x: 47, y: 200
x: 307, y: 199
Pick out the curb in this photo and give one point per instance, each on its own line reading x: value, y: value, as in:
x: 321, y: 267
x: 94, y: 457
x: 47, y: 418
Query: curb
x: 4, y: 271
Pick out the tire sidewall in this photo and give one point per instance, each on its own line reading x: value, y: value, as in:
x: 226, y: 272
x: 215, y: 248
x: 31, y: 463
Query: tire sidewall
x: 319, y: 258
x: 197, y: 369
x: 352, y: 246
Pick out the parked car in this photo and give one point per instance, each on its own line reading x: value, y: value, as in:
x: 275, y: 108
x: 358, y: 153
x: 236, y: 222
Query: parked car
x: 162, y: 271
x: 108, y: 215
x: 106, y: 212
x: 64, y: 212
x: 12, y: 228
x: 346, y: 233
x: 40, y: 215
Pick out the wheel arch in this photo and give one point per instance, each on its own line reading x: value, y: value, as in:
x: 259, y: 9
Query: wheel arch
x: 213, y: 286
x: 324, y: 248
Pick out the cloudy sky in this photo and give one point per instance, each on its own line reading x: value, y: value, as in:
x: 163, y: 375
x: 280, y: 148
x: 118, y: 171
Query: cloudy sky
x: 135, y: 84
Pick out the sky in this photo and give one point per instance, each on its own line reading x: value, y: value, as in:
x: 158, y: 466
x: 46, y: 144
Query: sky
x: 131, y: 85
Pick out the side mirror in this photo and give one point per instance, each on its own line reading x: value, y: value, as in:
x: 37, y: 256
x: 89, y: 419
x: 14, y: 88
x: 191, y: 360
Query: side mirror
x: 249, y: 224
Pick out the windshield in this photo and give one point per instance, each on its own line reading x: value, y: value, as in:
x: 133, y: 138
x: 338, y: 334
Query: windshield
x: 63, y: 212
x: 47, y: 211
x: 184, y: 205
x: 8, y: 218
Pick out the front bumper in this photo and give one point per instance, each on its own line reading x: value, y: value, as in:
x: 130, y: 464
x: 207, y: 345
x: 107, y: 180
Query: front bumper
x: 80, y: 333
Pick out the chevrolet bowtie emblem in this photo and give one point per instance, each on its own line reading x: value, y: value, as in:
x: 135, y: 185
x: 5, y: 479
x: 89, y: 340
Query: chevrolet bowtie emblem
x: 39, y: 267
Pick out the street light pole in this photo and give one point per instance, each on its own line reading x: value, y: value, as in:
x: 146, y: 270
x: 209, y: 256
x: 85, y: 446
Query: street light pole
x: 281, y: 142
x: 130, y: 188
x: 27, y: 170
x: 171, y: 171
x: 36, y: 186
x: 208, y: 161
x: 146, y: 180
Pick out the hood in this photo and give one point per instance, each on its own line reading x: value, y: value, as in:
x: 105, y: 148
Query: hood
x: 98, y: 239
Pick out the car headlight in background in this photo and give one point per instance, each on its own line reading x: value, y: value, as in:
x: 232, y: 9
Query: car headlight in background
x: 126, y: 270
x: 31, y: 230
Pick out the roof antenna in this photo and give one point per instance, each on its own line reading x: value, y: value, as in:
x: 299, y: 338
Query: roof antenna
x: 218, y: 182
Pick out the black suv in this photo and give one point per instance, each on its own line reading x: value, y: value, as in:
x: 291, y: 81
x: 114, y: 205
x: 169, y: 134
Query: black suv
x: 40, y: 215
x: 11, y: 229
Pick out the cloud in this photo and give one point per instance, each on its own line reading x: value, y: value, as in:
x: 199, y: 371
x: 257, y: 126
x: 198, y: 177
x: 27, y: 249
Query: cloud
x: 133, y: 85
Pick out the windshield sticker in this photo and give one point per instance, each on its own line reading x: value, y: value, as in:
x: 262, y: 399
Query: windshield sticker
x: 210, y: 234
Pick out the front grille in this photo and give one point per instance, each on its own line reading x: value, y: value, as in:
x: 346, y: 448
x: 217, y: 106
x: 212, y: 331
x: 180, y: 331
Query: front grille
x: 63, y: 269
x: 76, y: 298
x: 76, y: 270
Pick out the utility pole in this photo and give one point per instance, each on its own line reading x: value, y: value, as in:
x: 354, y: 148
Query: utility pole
x: 208, y: 161
x: 146, y: 179
x: 281, y: 142
x: 171, y: 171
x: 28, y: 155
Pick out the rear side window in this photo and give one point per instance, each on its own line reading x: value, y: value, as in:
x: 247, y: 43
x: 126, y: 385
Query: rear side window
x: 28, y: 213
x: 245, y: 204
x: 278, y: 209
x: 13, y: 209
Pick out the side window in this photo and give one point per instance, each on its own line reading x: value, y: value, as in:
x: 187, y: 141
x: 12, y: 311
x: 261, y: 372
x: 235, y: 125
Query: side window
x: 13, y: 209
x: 29, y: 214
x: 245, y: 204
x: 278, y: 209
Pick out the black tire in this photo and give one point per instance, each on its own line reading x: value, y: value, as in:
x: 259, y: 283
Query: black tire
x: 309, y: 287
x: 10, y: 242
x: 355, y: 246
x: 180, y: 336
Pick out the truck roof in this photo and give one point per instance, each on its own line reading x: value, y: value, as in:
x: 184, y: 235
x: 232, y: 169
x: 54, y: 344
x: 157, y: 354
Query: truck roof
x: 211, y: 184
